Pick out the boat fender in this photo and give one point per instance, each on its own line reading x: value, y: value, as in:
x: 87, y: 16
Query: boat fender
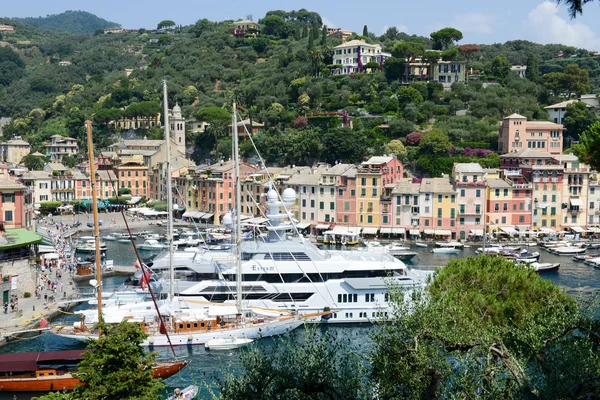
x: 190, y: 338
x: 151, y: 340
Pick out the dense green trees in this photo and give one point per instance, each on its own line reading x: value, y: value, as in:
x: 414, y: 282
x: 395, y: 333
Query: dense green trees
x: 70, y: 21
x: 12, y: 66
x: 578, y: 118
x: 590, y: 150
x: 34, y: 163
x: 486, y: 328
x: 307, y: 365
x: 446, y: 37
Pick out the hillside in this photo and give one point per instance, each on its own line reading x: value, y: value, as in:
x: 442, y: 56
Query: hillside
x: 70, y: 21
x: 282, y: 79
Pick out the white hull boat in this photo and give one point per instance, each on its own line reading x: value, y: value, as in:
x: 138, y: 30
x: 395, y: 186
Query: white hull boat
x: 567, y: 250
x: 445, y: 250
x: 230, y: 343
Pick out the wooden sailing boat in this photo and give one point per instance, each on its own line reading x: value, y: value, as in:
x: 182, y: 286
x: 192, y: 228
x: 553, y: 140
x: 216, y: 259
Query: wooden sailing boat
x: 54, y: 370
x: 214, y: 320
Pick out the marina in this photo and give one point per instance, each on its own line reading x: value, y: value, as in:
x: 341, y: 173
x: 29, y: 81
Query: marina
x: 576, y: 277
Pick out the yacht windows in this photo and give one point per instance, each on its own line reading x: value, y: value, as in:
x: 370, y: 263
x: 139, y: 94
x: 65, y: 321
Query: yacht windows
x: 369, y: 297
x: 286, y: 256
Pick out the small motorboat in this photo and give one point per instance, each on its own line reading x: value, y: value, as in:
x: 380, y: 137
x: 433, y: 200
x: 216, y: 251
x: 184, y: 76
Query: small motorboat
x: 445, y: 250
x: 594, y: 246
x: 89, y: 245
x: 453, y: 244
x: 111, y: 237
x: 152, y: 245
x: 584, y: 258
x: 420, y: 244
x: 545, y: 267
x: 404, y: 255
x: 229, y: 343
x: 525, y: 256
x: 567, y: 250
x: 186, y: 393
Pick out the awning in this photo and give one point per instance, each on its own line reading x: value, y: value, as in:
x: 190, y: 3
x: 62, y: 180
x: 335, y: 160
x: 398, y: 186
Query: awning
x: 593, y: 229
x: 370, y: 231
x: 575, y: 201
x: 191, y: 214
x: 415, y: 232
x: 429, y: 231
x: 577, y: 229
x: 322, y: 226
x: 346, y: 230
x: 509, y: 230
x: 443, y: 232
x: 477, y: 232
x: 134, y: 200
x: 302, y: 225
x: 548, y: 231
x: 206, y: 215
x: 398, y: 231
x: 386, y: 230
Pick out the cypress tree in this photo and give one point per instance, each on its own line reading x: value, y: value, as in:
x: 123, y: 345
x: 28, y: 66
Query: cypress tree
x: 533, y: 72
x: 365, y: 31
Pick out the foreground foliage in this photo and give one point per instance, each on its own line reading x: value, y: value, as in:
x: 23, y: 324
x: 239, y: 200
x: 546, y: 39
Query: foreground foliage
x: 486, y: 328
x: 115, y: 367
x: 306, y: 365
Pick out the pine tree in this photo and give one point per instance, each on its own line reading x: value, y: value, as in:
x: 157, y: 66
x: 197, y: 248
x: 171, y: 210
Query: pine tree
x: 532, y: 73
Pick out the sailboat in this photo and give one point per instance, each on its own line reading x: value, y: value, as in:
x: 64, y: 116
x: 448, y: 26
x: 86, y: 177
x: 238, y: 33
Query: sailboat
x: 55, y: 370
x: 196, y: 326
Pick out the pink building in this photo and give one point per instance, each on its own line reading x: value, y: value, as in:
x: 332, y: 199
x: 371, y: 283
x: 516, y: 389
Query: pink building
x: 14, y: 199
x: 470, y: 184
x: 346, y: 197
x: 516, y: 134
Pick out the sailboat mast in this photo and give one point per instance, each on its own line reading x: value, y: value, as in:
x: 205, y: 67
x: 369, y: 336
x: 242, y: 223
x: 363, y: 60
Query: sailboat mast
x: 238, y: 211
x: 169, y: 190
x: 88, y: 124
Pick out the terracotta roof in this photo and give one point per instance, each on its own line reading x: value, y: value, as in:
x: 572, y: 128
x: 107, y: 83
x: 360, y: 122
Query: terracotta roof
x: 8, y: 184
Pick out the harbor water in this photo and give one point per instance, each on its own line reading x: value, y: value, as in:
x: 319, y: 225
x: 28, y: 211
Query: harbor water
x: 577, y: 279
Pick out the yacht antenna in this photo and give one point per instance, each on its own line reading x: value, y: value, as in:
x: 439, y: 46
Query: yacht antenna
x: 238, y: 211
x: 88, y: 124
x: 169, y: 191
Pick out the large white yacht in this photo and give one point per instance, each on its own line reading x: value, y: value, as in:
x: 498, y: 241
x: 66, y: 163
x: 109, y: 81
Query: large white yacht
x: 286, y: 271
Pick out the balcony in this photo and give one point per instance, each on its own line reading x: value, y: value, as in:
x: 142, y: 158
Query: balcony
x: 577, y: 170
x: 522, y: 186
x: 513, y: 172
x: 385, y: 197
x: 475, y: 184
x: 466, y: 212
x: 369, y: 170
x: 574, y: 210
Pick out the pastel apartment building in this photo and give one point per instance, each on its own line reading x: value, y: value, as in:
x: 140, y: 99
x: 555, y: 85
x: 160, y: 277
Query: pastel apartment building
x: 405, y: 210
x: 16, y: 209
x: 61, y: 146
x: 372, y: 178
x: 575, y: 191
x: 516, y: 133
x: 470, y: 184
x: 352, y: 57
x: 443, y: 207
x: 346, y: 197
x: 39, y: 182
x: 13, y: 150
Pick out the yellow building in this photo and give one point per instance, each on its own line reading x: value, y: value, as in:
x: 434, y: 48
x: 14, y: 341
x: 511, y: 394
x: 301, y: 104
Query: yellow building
x: 372, y: 176
x: 14, y: 150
